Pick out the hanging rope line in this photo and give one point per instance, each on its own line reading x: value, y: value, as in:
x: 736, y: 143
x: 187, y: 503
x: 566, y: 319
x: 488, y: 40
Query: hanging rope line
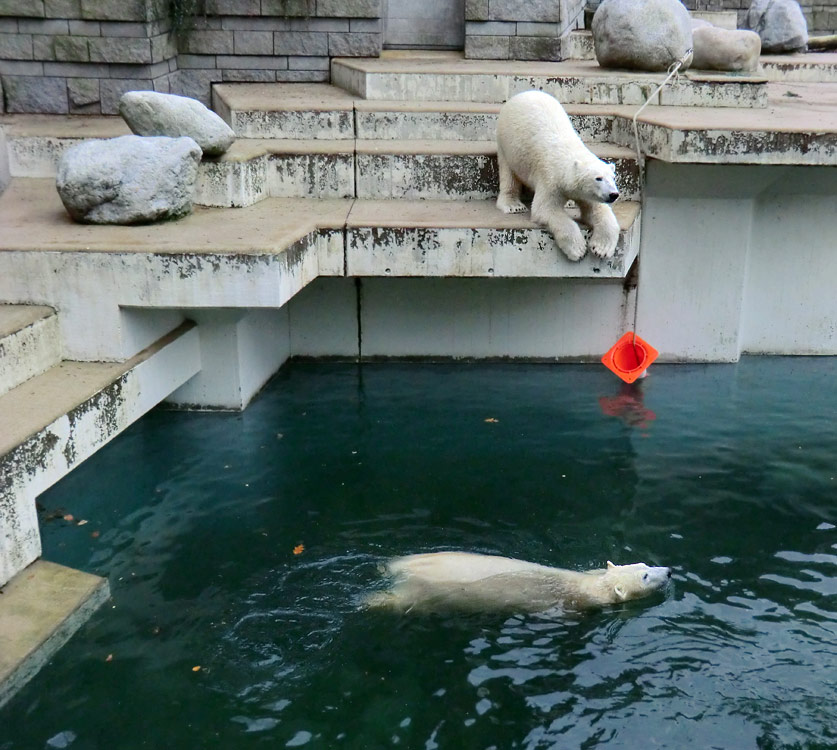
x: 673, y: 70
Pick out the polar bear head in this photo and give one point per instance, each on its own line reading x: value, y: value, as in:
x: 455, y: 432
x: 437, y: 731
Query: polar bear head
x: 595, y: 180
x: 624, y: 582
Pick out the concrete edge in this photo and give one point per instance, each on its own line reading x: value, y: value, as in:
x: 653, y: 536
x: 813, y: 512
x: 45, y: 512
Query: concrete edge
x: 30, y: 349
x: 74, y: 609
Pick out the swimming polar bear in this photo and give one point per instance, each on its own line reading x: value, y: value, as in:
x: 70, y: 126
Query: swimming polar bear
x: 538, y: 147
x: 464, y: 581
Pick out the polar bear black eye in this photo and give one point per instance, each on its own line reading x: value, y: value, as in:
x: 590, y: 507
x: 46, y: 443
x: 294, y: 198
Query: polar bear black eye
x: 645, y: 577
x: 599, y: 179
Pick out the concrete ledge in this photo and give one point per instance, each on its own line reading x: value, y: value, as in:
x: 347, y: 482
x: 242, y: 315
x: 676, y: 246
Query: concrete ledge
x: 29, y: 343
x: 457, y: 170
x: 802, y: 67
x: 441, y: 239
x: 575, y: 82
x: 254, y: 170
x: 40, y: 609
x: 277, y: 110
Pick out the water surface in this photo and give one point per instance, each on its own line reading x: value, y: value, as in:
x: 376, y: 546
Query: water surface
x: 725, y: 473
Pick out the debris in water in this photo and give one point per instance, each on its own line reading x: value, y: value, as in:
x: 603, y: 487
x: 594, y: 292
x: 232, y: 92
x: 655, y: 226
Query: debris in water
x: 69, y: 517
x: 492, y: 420
x: 299, y: 549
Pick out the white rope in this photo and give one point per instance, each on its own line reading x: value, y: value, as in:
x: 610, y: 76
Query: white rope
x: 672, y: 72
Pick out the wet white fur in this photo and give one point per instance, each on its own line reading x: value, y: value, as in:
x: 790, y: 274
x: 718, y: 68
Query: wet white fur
x: 463, y: 581
x: 538, y: 147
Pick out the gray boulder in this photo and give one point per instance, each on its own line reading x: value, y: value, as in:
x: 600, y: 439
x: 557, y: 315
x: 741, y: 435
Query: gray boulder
x: 780, y: 24
x: 150, y: 113
x: 128, y: 180
x: 722, y: 49
x: 642, y: 34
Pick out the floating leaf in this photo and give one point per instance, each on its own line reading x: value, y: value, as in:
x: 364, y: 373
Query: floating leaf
x: 68, y: 517
x: 109, y: 657
x: 299, y: 549
x: 95, y: 534
x: 81, y: 523
x: 492, y: 420
x: 197, y: 668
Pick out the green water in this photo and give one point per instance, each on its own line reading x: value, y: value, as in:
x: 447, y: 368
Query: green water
x: 728, y: 474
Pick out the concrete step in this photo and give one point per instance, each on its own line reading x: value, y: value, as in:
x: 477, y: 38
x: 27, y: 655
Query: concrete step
x: 253, y: 170
x: 258, y: 256
x: 40, y: 609
x: 30, y: 343
x: 286, y: 110
x: 35, y: 142
x: 471, y: 239
x: 55, y: 420
x: 578, y: 45
x: 802, y: 67
x: 457, y: 169
x: 321, y: 111
x: 453, y: 78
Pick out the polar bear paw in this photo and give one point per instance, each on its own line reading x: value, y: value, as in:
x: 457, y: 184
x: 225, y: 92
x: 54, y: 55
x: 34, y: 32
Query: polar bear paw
x: 604, y: 238
x: 511, y: 205
x: 573, y: 246
x: 602, y: 245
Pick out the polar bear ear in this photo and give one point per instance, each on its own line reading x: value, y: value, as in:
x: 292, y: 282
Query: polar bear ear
x: 620, y: 592
x: 612, y: 168
x: 610, y: 565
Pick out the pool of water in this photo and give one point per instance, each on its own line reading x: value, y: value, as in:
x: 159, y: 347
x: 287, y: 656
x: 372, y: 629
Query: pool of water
x: 238, y: 547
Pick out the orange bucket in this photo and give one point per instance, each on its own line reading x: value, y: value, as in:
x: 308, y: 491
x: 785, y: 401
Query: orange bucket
x: 630, y: 357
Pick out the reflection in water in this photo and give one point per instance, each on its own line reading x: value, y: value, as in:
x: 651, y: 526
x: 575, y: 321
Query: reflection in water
x: 198, y: 517
x: 628, y: 406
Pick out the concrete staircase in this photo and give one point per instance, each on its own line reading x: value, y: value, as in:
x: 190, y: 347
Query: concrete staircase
x: 54, y: 414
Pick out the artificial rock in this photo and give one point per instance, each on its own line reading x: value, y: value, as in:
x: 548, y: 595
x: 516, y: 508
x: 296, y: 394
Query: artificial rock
x: 152, y: 113
x: 723, y: 49
x: 128, y: 180
x: 642, y: 34
x: 780, y: 24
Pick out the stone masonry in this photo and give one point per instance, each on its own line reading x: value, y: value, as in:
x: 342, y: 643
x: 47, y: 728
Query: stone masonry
x: 519, y: 29
x: 80, y: 56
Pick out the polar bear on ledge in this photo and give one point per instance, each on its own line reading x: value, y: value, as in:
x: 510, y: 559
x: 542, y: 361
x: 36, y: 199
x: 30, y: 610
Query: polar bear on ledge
x: 468, y: 582
x: 538, y: 147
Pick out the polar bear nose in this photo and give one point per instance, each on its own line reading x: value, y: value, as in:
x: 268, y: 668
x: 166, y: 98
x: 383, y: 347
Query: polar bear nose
x: 612, y: 197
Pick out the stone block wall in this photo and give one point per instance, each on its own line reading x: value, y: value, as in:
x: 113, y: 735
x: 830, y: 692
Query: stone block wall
x: 519, y: 29
x: 80, y: 56
x: 821, y: 15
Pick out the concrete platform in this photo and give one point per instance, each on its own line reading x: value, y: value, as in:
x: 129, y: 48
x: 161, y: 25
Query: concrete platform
x: 450, y: 77
x: 40, y: 609
x: 202, y: 259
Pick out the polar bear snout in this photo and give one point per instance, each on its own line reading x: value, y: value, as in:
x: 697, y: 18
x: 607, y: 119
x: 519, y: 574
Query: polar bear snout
x: 612, y: 198
x: 656, y: 577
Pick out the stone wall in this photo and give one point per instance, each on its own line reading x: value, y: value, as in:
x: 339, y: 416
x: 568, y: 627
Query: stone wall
x: 80, y: 56
x: 821, y: 15
x: 519, y: 29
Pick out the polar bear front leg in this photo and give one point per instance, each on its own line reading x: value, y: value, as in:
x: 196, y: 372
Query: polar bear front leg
x: 549, y: 210
x: 601, y: 219
x: 509, y: 199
